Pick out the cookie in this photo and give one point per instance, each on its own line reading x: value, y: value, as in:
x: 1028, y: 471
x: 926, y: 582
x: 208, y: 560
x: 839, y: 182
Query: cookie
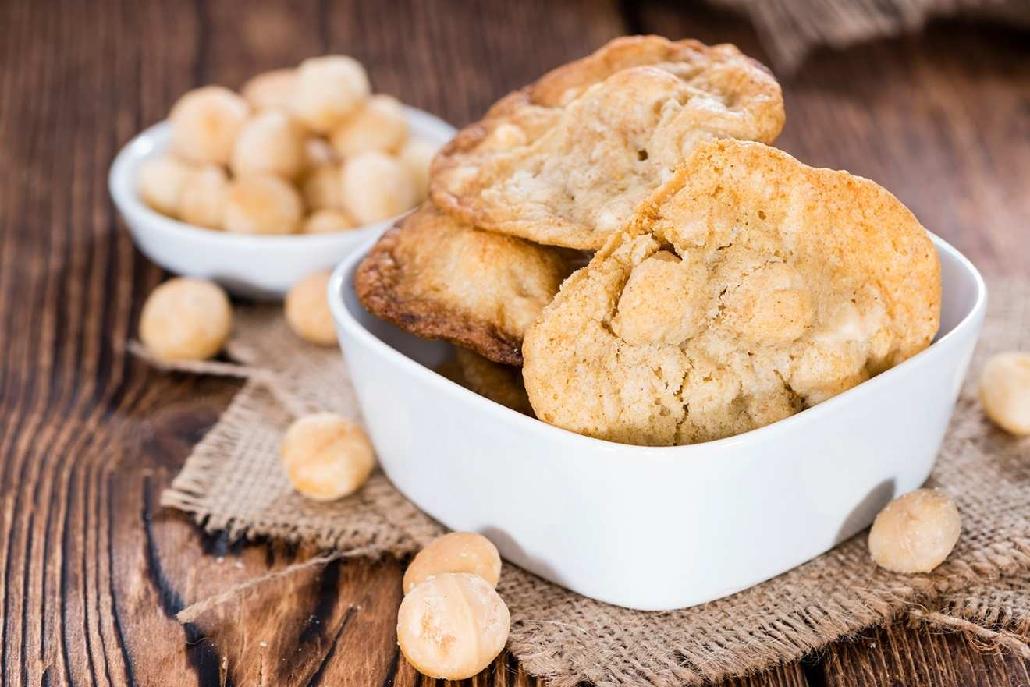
x: 437, y: 278
x: 565, y: 161
x: 748, y: 288
x: 500, y: 383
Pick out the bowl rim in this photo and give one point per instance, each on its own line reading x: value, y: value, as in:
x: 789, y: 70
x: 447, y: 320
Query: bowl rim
x: 121, y: 186
x: 341, y: 278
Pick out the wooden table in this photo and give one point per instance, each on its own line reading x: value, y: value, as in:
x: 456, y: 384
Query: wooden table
x: 92, y: 571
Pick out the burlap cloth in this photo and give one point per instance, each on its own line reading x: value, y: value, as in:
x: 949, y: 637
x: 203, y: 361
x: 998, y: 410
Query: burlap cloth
x: 233, y: 482
x: 790, y: 29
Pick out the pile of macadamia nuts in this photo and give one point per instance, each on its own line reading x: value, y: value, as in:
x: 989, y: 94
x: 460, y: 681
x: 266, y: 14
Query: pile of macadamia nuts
x: 452, y: 622
x: 308, y: 150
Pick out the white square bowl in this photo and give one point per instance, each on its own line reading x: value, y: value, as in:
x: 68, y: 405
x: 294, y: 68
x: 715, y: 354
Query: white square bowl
x: 656, y: 528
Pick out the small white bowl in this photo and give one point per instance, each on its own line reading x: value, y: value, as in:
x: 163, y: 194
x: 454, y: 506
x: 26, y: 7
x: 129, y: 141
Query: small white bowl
x: 656, y: 528
x: 253, y: 266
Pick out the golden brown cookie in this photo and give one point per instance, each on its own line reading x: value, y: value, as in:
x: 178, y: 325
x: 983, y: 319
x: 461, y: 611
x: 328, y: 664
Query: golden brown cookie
x: 500, y: 383
x: 565, y: 161
x: 435, y: 277
x: 750, y: 287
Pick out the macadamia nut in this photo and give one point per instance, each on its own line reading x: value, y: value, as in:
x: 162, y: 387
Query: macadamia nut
x: 452, y: 626
x: 205, y: 124
x: 328, y: 90
x: 269, y: 143
x: 914, y: 533
x: 379, y: 125
x: 504, y: 137
x: 326, y: 456
x: 319, y: 152
x: 202, y: 201
x: 270, y: 90
x: 323, y: 188
x: 160, y: 182
x: 185, y: 319
x: 417, y: 155
x: 327, y: 222
x: 661, y: 303
x: 262, y: 205
x: 455, y: 552
x: 307, y: 310
x: 1005, y: 391
x: 376, y: 187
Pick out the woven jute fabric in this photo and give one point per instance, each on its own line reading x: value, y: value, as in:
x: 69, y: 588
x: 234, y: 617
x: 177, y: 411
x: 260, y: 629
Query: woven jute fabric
x: 233, y: 482
x: 789, y: 29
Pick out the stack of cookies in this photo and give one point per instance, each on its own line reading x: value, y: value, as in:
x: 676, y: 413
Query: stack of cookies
x: 618, y: 250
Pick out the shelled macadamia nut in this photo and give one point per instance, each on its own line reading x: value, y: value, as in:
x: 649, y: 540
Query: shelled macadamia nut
x: 914, y: 533
x: 307, y: 309
x: 504, y: 137
x: 327, y: 222
x: 452, y: 626
x: 160, y: 181
x: 326, y: 456
x: 203, y: 197
x: 205, y: 124
x: 323, y: 188
x: 262, y: 205
x: 455, y: 552
x: 319, y: 152
x: 269, y: 143
x: 185, y: 319
x: 417, y: 154
x: 376, y: 187
x: 328, y: 90
x: 270, y: 90
x: 1005, y: 391
x: 378, y: 125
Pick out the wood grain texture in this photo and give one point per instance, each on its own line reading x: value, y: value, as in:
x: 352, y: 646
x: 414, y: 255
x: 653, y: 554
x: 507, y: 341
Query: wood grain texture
x: 92, y: 571
x: 919, y: 656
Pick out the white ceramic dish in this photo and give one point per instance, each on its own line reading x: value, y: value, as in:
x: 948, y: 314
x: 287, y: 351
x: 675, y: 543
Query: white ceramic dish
x: 656, y: 528
x: 255, y: 266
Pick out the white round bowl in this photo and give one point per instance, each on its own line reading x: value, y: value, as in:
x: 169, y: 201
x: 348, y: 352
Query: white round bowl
x: 252, y: 266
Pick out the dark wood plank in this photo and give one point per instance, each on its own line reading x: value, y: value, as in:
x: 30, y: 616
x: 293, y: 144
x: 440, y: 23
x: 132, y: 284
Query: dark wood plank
x: 920, y: 656
x: 456, y: 60
x: 66, y: 293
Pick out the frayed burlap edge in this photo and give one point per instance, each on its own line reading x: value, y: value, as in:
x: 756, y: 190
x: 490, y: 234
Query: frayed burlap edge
x: 790, y: 29
x: 993, y: 614
x: 232, y: 483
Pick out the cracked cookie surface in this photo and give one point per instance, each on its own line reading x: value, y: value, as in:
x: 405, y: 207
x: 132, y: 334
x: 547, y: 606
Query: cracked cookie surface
x: 748, y: 288
x: 437, y: 278
x: 565, y: 161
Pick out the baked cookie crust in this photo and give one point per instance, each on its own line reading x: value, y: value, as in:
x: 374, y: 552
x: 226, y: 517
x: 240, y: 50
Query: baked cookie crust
x: 748, y: 288
x: 437, y: 278
x: 500, y: 383
x: 566, y: 160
